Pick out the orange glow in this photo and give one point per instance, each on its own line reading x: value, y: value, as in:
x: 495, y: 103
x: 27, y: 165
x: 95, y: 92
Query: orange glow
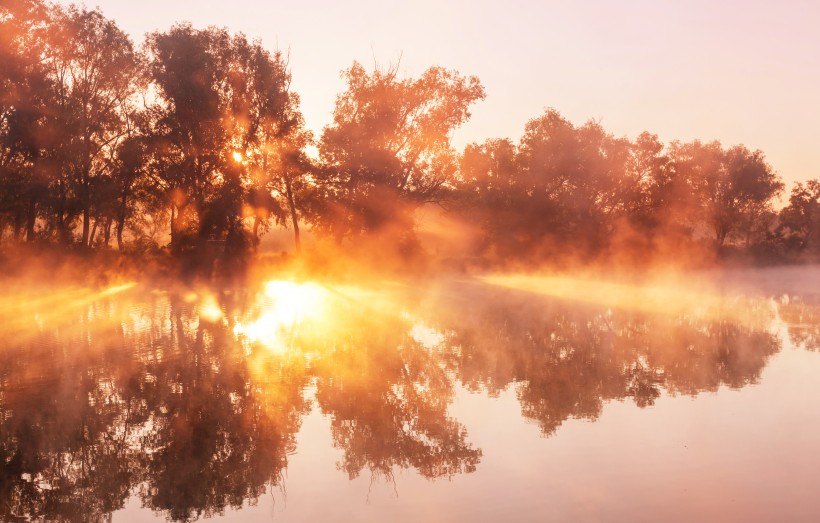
x: 658, y: 298
x: 237, y: 157
x: 209, y: 309
x: 284, y: 307
x: 116, y: 289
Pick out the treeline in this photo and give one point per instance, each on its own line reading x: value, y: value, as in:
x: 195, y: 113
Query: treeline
x: 566, y: 191
x: 196, y: 140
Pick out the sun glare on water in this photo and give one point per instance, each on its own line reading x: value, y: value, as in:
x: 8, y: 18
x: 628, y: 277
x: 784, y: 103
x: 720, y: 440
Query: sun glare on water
x: 209, y: 309
x: 285, y: 305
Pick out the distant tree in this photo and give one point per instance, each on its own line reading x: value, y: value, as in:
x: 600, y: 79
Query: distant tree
x: 134, y: 189
x: 489, y: 167
x: 733, y: 188
x: 285, y: 184
x: 567, y: 184
x: 649, y: 167
x: 491, y: 190
x: 388, y: 149
x: 577, y: 179
x: 800, y: 220
x: 755, y: 186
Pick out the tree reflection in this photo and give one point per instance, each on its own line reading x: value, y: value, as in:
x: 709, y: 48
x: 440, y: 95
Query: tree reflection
x: 802, y: 315
x: 220, y: 438
x: 139, y: 395
x: 65, y: 423
x: 387, y: 396
x: 180, y: 418
x: 566, y: 360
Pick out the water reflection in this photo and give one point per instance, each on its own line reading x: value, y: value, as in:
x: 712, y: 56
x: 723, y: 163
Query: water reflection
x: 193, y: 400
x: 567, y: 360
x: 802, y: 316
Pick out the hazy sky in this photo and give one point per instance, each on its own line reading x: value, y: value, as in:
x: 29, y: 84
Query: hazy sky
x: 737, y: 71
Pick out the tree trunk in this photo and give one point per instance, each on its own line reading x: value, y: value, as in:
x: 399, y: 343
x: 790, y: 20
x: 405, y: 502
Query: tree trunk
x: 86, y: 210
x: 107, y: 231
x: 120, y: 227
x: 257, y: 222
x: 292, y: 205
x: 121, y: 219
x: 31, y: 216
x: 86, y: 196
x: 173, y: 225
x: 89, y: 240
x: 86, y: 219
x: 17, y: 225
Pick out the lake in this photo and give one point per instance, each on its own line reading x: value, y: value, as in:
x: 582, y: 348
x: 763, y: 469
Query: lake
x: 516, y: 398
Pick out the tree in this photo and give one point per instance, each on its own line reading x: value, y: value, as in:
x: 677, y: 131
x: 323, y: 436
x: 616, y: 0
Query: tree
x: 96, y: 73
x: 275, y: 143
x: 225, y: 111
x: 131, y: 183
x: 755, y: 186
x: 576, y: 178
x: 188, y: 136
x: 388, y: 149
x: 284, y: 182
x: 26, y: 107
x: 800, y: 220
x: 733, y: 188
x: 662, y: 196
x: 491, y: 191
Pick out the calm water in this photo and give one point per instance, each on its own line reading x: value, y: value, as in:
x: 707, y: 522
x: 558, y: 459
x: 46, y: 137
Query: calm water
x: 504, y: 399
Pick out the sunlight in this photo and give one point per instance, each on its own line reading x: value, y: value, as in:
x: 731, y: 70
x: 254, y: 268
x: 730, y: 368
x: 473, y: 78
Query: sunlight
x: 208, y: 309
x: 57, y: 302
x: 237, y: 157
x: 426, y: 336
x: 664, y: 297
x: 116, y: 289
x: 285, y: 305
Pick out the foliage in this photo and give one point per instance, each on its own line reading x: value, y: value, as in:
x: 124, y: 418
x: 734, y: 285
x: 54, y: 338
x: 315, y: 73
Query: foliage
x: 197, y: 140
x: 388, y: 149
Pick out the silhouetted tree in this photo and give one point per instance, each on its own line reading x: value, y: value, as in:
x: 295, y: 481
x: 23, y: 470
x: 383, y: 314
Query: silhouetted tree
x: 96, y: 72
x: 26, y: 114
x: 189, y: 137
x: 734, y: 188
x: 226, y: 109
x: 388, y: 149
x: 275, y: 143
x: 800, y: 220
x: 492, y: 193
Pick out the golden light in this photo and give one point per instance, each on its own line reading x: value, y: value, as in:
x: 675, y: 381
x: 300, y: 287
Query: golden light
x: 284, y: 307
x: 116, y: 289
x: 237, y: 156
x: 21, y: 310
x: 666, y: 297
x: 209, y: 309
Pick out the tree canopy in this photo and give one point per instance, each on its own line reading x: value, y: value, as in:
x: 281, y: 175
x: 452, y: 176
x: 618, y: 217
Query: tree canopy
x: 388, y: 149
x: 195, y: 141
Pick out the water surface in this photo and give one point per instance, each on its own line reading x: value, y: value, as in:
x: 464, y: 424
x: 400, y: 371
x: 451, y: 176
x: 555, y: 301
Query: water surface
x: 520, y: 399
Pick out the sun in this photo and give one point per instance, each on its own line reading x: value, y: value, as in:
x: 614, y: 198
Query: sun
x: 286, y: 305
x: 237, y: 157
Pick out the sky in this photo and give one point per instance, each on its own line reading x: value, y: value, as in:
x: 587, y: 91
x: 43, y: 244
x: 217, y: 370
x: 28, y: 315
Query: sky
x: 743, y: 72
